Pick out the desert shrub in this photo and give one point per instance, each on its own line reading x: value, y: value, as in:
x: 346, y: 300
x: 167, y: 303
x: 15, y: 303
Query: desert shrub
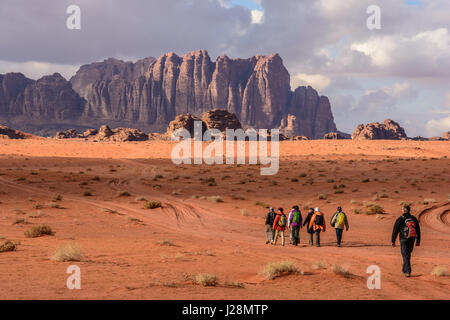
x: 341, y: 270
x: 96, y: 178
x: 244, y: 212
x: 140, y: 199
x: 277, y: 269
x: 330, y: 180
x: 53, y: 205
x: 206, y: 280
x: 123, y: 194
x: 365, y: 180
x: 319, y: 265
x: 428, y: 201
x: 215, y: 199
x: 372, y: 208
x: 152, y: 204
x: 439, y: 271
x: 57, y: 197
x: 302, y: 175
x: 84, y: 183
x: 262, y: 204
x: 356, y: 211
x: 166, y: 243
x: 322, y: 196
x: 338, y: 191
x: 67, y: 252
x: 234, y: 284
x: 20, y: 221
x: 87, y: 193
x: 294, y: 180
x: 39, y: 231
x: 7, y: 246
x: 235, y: 197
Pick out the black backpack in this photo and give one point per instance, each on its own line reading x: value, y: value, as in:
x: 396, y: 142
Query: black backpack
x: 319, y: 220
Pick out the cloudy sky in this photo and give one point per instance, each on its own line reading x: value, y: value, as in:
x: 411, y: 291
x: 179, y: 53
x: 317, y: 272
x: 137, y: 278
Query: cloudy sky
x: 401, y: 70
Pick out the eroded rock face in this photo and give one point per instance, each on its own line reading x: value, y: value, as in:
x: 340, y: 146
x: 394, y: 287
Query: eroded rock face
x: 8, y: 133
x: 128, y: 134
x: 221, y: 120
x: 388, y: 130
x: 104, y: 132
x: 256, y: 89
x: 150, y: 93
x: 446, y: 135
x: 90, y: 133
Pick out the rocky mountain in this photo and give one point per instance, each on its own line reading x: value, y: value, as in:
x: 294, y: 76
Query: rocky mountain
x: 388, y: 130
x: 150, y: 93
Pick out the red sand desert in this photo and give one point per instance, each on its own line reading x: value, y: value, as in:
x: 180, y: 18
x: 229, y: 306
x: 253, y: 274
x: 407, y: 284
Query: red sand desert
x: 130, y: 252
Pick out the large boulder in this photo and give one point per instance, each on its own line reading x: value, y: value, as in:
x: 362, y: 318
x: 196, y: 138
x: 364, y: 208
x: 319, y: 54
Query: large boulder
x: 388, y: 130
x: 128, y: 134
x: 221, y: 120
x: 446, y: 135
x: 185, y: 121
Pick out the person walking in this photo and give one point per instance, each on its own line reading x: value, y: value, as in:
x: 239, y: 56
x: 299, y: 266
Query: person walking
x: 295, y: 223
x: 270, y: 218
x: 408, y: 229
x: 279, y: 226
x: 339, y: 221
x: 317, y: 223
x: 308, y: 229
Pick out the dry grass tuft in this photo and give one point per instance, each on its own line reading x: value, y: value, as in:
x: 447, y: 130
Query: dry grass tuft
x: 319, y: 265
x: 152, y: 204
x: 439, y: 271
x: 7, y: 246
x: 206, y: 280
x: 341, y: 270
x: 277, y: 269
x: 39, y: 231
x: 67, y: 252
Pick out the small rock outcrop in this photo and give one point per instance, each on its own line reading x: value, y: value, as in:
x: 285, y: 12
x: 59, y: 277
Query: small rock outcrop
x: 388, y: 130
x: 446, y: 135
x: 8, y: 133
x: 68, y: 134
x: 334, y: 136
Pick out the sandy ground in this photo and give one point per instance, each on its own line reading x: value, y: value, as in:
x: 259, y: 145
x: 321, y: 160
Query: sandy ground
x: 134, y: 253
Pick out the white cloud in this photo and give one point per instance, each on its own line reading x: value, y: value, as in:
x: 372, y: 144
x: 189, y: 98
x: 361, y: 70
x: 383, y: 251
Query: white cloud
x: 35, y: 70
x: 257, y: 16
x: 438, y: 127
x: 316, y: 81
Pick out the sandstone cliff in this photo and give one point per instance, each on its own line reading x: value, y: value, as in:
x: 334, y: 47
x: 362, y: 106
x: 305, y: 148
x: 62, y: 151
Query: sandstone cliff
x: 150, y: 93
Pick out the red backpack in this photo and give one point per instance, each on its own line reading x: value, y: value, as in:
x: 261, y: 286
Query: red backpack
x: 409, y: 230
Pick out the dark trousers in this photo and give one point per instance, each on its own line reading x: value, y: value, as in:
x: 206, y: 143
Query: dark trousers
x: 318, y: 237
x: 295, y: 230
x: 406, y: 247
x: 339, y: 235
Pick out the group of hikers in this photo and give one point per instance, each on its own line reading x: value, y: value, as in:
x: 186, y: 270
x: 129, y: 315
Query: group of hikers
x: 406, y: 228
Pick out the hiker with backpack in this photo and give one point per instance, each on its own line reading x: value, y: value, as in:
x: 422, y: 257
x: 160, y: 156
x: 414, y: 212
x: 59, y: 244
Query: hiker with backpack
x: 295, y: 223
x: 279, y: 226
x: 317, y: 223
x: 308, y: 229
x: 338, y: 221
x: 408, y: 228
x: 270, y: 218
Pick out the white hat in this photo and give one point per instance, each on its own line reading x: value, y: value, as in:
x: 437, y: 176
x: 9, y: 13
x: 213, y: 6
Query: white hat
x: 317, y: 209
